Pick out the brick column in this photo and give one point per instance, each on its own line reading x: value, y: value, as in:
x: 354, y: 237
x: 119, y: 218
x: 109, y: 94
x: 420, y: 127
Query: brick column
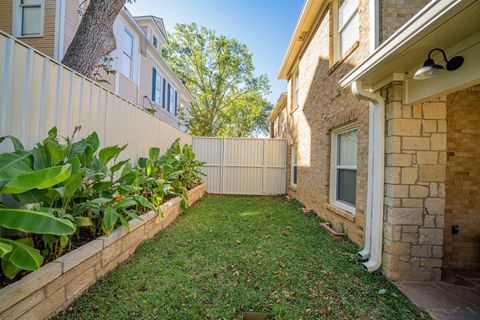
x: 415, y: 167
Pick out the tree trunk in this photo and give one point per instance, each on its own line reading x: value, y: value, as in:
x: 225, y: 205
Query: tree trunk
x: 94, y: 37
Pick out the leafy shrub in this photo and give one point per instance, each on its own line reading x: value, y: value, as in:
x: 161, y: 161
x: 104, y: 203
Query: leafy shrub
x: 62, y: 190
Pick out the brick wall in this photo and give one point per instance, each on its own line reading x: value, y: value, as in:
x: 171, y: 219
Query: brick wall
x: 414, y: 187
x: 323, y: 106
x: 462, y: 206
x: 394, y: 14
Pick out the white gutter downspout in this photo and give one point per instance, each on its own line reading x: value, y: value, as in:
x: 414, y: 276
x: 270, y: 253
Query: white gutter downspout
x: 376, y: 170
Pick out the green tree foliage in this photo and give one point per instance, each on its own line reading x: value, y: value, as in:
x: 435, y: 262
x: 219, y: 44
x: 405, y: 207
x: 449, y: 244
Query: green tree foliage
x: 219, y: 72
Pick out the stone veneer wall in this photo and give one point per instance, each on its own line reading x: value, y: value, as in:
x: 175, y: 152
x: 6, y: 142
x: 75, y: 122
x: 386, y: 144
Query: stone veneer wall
x: 414, y: 187
x: 53, y: 287
x: 462, y: 206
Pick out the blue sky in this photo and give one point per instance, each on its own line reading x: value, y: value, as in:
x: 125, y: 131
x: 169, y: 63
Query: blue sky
x: 264, y: 25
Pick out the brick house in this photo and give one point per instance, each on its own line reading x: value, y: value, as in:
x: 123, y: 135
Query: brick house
x: 142, y: 76
x: 386, y: 154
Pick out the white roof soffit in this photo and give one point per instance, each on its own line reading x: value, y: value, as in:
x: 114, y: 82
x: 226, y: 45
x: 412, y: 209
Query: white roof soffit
x: 442, y: 23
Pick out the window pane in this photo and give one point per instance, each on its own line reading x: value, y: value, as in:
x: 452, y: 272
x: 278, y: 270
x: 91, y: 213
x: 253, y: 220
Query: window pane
x: 347, y: 148
x: 158, y: 88
x: 346, y: 186
x: 349, y: 35
x: 295, y: 175
x: 345, y: 11
x: 31, y: 21
x: 126, y: 66
x: 172, y: 100
x: 128, y: 43
x: 31, y: 2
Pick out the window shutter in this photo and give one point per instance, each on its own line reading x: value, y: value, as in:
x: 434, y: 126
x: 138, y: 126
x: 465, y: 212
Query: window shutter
x: 154, y: 84
x: 163, y: 93
x: 176, y: 102
x: 168, y: 100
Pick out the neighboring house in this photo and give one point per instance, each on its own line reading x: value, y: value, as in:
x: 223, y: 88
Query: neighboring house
x: 390, y: 160
x: 278, y: 118
x: 142, y: 76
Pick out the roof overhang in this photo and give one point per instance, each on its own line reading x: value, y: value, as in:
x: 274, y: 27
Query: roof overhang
x: 303, y: 30
x: 281, y: 103
x: 451, y: 25
x: 157, y: 24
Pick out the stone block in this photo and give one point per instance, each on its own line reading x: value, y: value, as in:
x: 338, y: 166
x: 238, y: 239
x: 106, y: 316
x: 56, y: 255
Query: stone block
x: 407, y: 216
x: 74, y: 258
x: 399, y: 160
x: 430, y: 236
x: 429, y: 126
x: 415, y: 143
x: 80, y: 283
x: 427, y: 157
x: 396, y: 191
x: 116, y: 235
x: 412, y: 203
x: 421, y: 251
x: 409, y: 175
x: 431, y: 262
x: 429, y: 221
x: 111, y: 252
x: 393, y: 144
x: 47, y: 307
x: 392, y: 175
x: 432, y: 173
x: 439, y: 141
x: 23, y: 306
x: 435, y: 110
x: 404, y: 127
x: 419, y: 192
x: 417, y: 110
x: 71, y: 274
x: 435, y: 206
x: 29, y: 284
x: 132, y: 239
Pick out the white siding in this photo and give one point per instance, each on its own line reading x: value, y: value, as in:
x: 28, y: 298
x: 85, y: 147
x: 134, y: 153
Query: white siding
x: 37, y: 93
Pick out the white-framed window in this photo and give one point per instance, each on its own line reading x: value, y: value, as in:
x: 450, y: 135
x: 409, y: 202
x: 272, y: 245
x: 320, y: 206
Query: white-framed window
x: 172, y: 100
x: 29, y: 18
x: 294, y: 167
x: 343, y: 171
x: 157, y: 87
x: 347, y: 26
x: 295, y: 92
x: 128, y: 41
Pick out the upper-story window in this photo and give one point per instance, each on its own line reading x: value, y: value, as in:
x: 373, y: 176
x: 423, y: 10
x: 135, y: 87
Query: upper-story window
x: 347, y: 31
x: 157, y: 87
x: 29, y: 18
x: 155, y: 42
x: 343, y: 172
x: 172, y: 99
x: 127, y: 54
x: 293, y: 167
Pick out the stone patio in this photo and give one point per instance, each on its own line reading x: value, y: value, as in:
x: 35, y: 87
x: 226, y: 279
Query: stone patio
x: 457, y: 297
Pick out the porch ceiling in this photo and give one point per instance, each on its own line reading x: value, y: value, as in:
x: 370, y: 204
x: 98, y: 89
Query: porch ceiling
x: 441, y: 24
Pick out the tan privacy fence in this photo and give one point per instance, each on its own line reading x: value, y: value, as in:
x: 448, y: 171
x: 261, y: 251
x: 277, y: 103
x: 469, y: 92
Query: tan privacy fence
x: 37, y: 93
x: 243, y: 165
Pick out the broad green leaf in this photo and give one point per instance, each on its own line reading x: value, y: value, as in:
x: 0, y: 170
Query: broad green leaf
x: 110, y: 218
x: 83, y: 222
x: 100, y: 201
x: 118, y: 166
x: 144, y: 202
x: 154, y: 153
x: 102, y: 186
x: 40, y: 179
x: 23, y: 256
x: 53, y: 133
x: 142, y: 162
x: 126, y: 203
x: 4, y: 248
x: 124, y: 221
x: 73, y: 183
x: 108, y: 153
x: 41, y: 160
x: 133, y: 215
x: 35, y: 222
x: 33, y: 196
x: 8, y: 268
x: 17, y: 144
x: 93, y: 141
x: 15, y: 163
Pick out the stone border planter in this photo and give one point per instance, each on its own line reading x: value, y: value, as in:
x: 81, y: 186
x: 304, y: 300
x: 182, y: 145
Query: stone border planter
x: 53, y: 287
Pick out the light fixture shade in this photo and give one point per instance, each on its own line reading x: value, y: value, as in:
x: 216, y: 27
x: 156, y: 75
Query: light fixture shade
x: 428, y: 71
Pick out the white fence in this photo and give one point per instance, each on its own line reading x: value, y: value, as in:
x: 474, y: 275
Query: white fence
x: 37, y: 93
x: 243, y: 165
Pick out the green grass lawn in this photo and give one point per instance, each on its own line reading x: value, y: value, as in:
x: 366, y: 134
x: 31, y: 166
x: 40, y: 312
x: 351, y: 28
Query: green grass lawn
x: 231, y: 254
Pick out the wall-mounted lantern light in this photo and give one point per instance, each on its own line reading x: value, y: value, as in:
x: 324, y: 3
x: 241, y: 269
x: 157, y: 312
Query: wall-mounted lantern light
x: 431, y: 69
